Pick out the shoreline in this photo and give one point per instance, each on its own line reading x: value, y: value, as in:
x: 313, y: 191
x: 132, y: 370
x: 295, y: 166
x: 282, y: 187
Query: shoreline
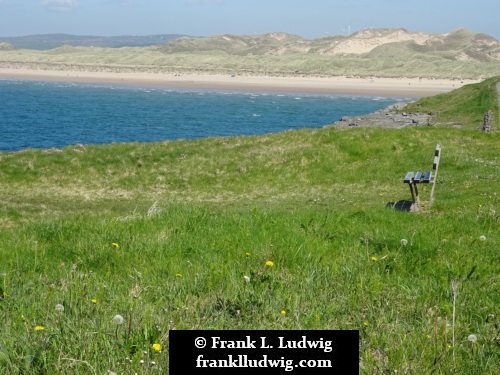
x: 398, y: 87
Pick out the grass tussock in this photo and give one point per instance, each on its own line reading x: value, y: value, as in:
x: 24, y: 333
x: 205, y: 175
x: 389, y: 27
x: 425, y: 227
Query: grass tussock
x: 179, y: 235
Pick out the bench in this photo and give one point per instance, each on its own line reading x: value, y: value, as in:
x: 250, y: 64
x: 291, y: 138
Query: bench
x: 413, y: 179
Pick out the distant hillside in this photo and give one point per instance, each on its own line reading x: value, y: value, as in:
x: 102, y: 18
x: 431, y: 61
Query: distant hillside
x: 50, y: 41
x: 459, y: 45
x: 6, y: 46
x: 460, y: 54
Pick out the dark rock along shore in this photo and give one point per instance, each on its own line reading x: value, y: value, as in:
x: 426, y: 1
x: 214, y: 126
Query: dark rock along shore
x: 390, y: 117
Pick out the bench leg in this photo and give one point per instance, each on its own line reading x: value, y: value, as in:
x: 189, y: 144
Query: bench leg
x: 412, y: 192
x: 417, y: 198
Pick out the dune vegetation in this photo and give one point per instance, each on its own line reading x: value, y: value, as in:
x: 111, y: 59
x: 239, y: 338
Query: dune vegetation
x: 461, y: 54
x: 280, y: 231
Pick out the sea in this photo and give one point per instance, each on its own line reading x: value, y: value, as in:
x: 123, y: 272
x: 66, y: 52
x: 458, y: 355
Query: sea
x: 44, y: 114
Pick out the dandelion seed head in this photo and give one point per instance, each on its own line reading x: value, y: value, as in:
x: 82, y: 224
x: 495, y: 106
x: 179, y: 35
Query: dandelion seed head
x: 404, y: 242
x: 482, y: 238
x: 118, y: 319
x: 472, y: 338
x: 59, y: 307
x: 247, y: 279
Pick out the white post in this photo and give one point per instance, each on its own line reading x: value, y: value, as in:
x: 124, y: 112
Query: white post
x: 435, y: 166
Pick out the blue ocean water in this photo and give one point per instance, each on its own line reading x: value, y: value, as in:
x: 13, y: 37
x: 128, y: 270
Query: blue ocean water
x: 39, y: 114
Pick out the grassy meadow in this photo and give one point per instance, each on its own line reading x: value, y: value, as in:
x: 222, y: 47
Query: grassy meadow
x: 279, y: 231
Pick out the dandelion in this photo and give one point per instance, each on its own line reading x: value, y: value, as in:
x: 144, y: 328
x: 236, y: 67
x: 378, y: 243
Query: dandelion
x: 94, y: 301
x: 115, y: 245
x: 247, y: 254
x: 404, y: 242
x: 39, y: 328
x: 482, y: 238
x: 270, y: 263
x: 472, y: 338
x: 118, y: 319
x: 59, y: 308
x: 283, y: 312
x: 178, y: 275
x: 365, y: 324
x: 247, y: 279
x: 374, y: 259
x: 157, y: 347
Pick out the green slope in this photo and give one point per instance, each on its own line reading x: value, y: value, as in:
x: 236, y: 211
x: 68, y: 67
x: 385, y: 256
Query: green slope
x: 165, y: 233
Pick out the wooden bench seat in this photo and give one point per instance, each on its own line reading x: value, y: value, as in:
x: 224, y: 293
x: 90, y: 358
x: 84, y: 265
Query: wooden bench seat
x: 428, y: 177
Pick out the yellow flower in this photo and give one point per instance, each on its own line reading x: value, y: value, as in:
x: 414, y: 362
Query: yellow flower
x: 178, y: 275
x: 247, y: 254
x: 283, y: 312
x: 94, y: 301
x: 365, y: 324
x: 157, y: 347
x: 115, y: 245
x: 374, y: 259
x: 39, y: 328
x: 269, y: 263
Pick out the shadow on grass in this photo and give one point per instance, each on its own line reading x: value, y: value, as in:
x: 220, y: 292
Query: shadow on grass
x: 400, y: 205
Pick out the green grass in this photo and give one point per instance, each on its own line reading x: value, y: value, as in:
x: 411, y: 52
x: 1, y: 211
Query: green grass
x: 465, y: 106
x: 192, y: 218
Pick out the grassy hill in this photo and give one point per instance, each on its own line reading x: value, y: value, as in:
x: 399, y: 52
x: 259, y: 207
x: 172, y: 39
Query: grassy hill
x: 164, y: 233
x: 462, y: 107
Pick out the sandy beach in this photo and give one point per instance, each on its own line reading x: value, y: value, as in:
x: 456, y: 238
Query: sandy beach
x: 400, y: 87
